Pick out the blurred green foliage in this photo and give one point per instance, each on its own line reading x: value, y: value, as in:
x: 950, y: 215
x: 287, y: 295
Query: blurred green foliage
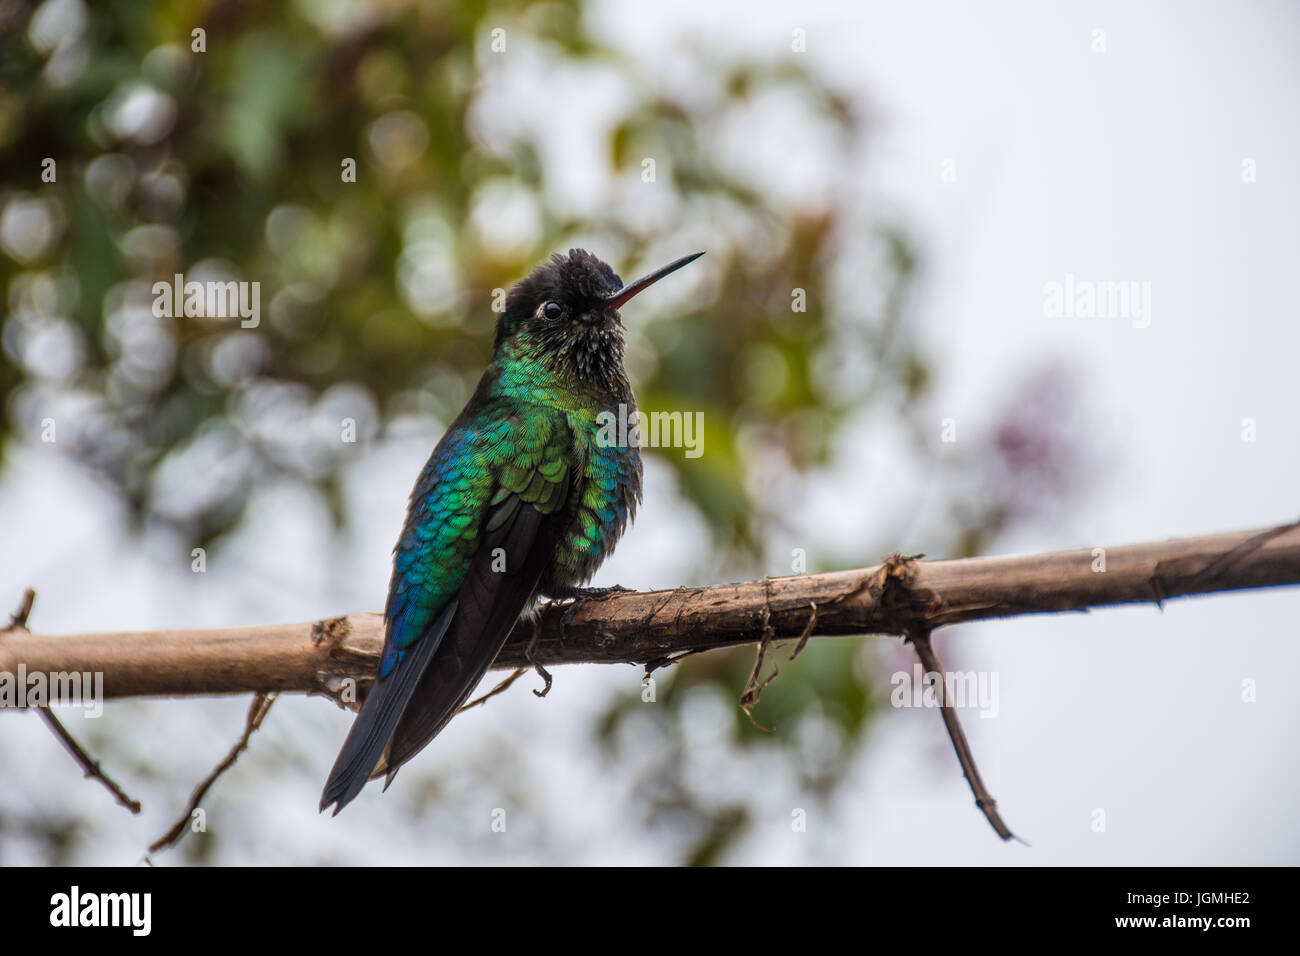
x: 377, y: 295
x: 227, y: 164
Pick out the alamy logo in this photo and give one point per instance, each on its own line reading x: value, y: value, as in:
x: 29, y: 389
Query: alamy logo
x: 74, y: 908
x: 214, y: 300
x: 975, y: 689
x: 1088, y: 299
x: 41, y: 689
x: 656, y: 430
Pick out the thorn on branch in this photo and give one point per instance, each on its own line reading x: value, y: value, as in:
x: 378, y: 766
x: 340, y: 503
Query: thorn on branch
x: 257, y: 712
x: 18, y: 620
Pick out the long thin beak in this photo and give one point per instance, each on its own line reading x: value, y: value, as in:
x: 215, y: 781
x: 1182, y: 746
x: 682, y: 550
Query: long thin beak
x: 620, y: 298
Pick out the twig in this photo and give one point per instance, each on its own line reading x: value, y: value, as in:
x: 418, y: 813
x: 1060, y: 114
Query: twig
x: 501, y: 688
x: 807, y: 632
x: 753, y: 691
x: 658, y: 663
x: 91, y: 767
x: 983, y: 799
x: 257, y: 712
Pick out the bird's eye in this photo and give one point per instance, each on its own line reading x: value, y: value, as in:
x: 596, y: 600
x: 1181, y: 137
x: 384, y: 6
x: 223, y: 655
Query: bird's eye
x: 553, y: 310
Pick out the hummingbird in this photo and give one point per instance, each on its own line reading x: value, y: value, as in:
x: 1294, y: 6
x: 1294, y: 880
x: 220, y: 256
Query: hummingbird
x: 522, y: 498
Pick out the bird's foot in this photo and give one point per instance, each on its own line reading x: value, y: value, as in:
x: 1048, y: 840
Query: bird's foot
x: 567, y: 616
x: 570, y: 601
x: 542, y: 672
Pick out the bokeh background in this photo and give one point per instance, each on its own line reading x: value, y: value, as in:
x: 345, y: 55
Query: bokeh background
x: 918, y: 170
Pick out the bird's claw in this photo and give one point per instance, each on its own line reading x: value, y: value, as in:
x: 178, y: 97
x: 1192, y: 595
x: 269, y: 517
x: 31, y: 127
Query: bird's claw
x: 542, y: 672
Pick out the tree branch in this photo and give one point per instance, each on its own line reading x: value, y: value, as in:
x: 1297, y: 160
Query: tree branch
x: 899, y: 597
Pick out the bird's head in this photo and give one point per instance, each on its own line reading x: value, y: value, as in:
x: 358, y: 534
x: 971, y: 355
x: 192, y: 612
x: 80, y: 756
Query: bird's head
x: 565, y: 314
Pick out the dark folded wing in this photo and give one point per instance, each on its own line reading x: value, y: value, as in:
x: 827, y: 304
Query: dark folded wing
x: 468, y: 572
x: 379, y: 717
x: 502, y: 580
